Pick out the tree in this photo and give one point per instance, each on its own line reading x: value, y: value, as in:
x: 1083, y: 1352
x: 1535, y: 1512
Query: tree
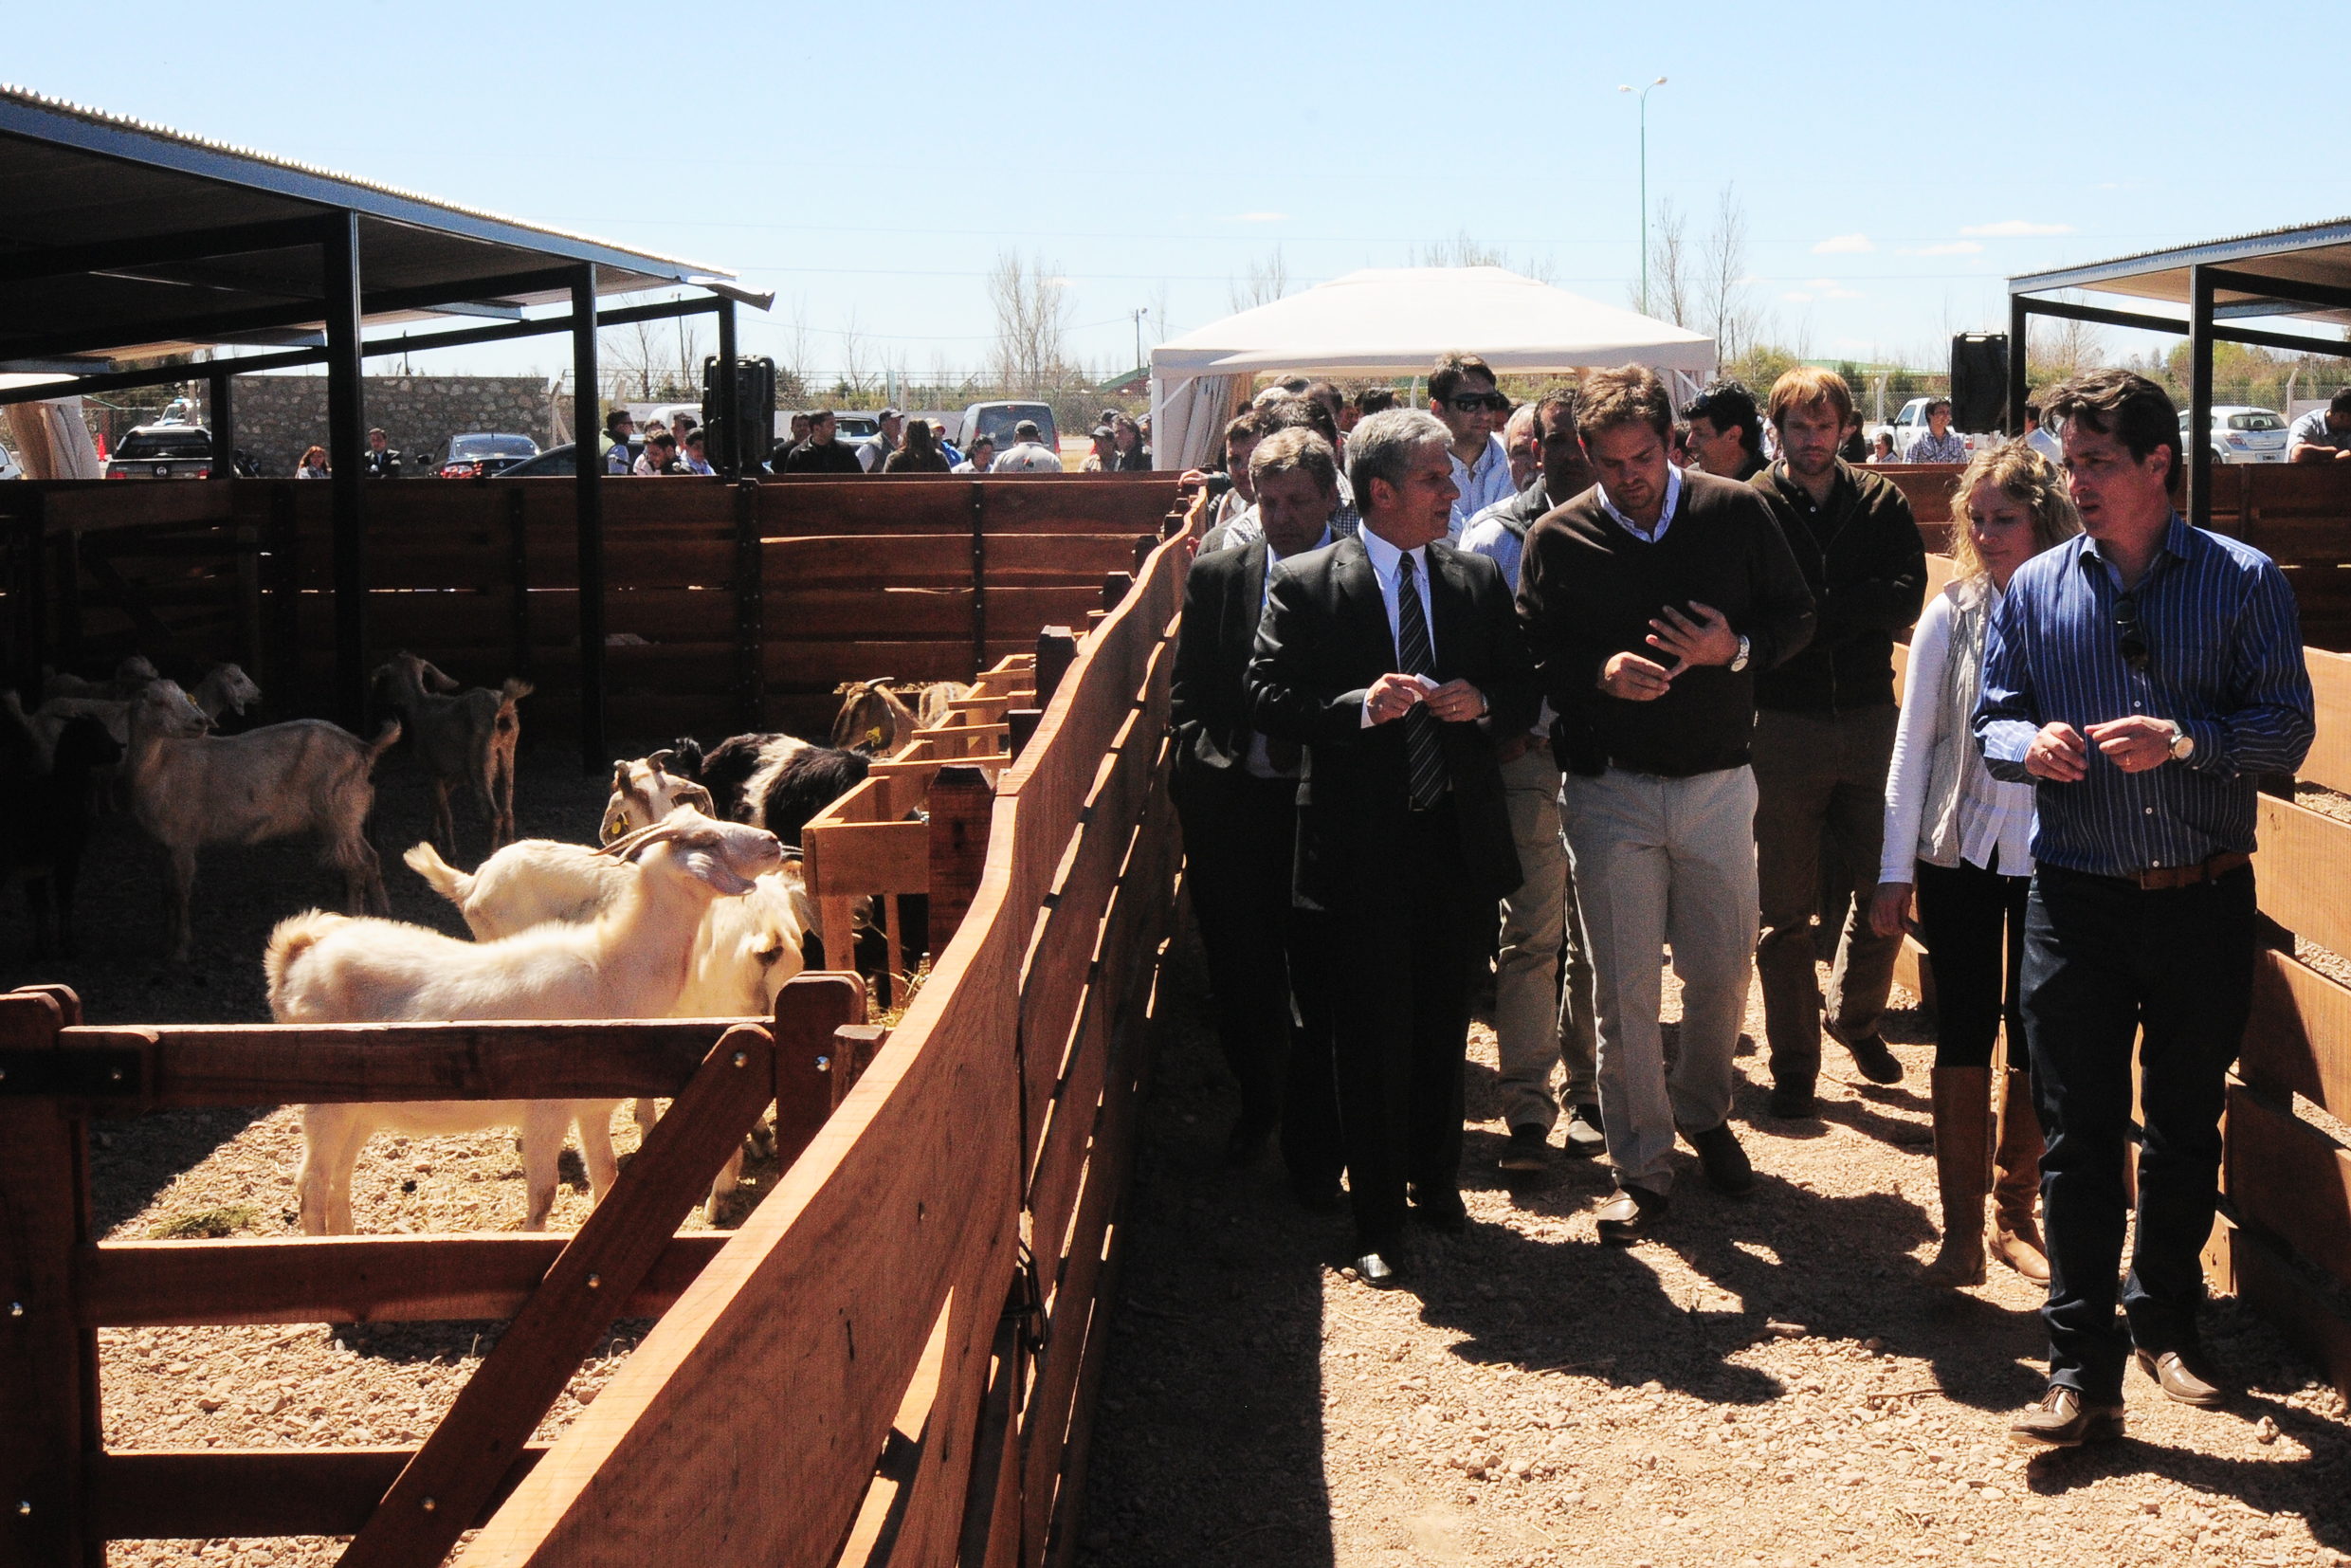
x: 1726, y: 300
x: 1670, y: 267
x: 1269, y: 281
x: 1033, y: 309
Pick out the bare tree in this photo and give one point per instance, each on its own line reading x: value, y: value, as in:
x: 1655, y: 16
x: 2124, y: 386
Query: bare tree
x: 1269, y: 281
x: 1461, y: 250
x: 1033, y: 309
x: 856, y: 372
x: 1726, y: 307
x: 689, y: 382
x: 1672, y: 283
x: 2059, y: 347
x: 637, y: 359
x: 1162, y: 329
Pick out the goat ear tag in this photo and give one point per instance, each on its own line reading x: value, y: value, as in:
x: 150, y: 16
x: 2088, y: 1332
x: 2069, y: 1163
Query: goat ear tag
x: 873, y: 735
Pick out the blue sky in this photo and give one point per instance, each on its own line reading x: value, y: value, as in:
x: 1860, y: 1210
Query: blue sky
x: 869, y: 163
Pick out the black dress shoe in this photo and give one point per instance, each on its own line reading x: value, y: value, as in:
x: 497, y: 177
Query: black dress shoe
x: 1876, y: 1062
x: 1378, y: 1270
x: 1586, y: 1139
x: 2066, y: 1420
x: 2181, y: 1377
x: 1529, y: 1151
x: 1726, y: 1162
x: 1440, y: 1210
x: 1630, y: 1214
x: 1794, y: 1102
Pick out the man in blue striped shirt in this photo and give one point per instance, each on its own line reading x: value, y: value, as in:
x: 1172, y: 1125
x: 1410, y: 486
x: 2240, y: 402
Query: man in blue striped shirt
x: 2142, y: 676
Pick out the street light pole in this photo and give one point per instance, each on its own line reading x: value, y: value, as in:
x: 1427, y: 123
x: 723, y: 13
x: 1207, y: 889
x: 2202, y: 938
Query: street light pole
x: 1644, y: 97
x: 1140, y: 312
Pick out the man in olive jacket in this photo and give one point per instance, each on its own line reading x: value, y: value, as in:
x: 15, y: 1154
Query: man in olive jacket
x: 1824, y: 737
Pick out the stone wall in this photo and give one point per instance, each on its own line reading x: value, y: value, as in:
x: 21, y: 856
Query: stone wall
x: 279, y: 416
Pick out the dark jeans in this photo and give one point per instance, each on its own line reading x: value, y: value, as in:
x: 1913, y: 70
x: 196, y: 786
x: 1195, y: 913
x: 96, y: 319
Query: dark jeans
x: 1240, y: 835
x: 1399, y: 953
x: 1973, y: 923
x: 2103, y: 959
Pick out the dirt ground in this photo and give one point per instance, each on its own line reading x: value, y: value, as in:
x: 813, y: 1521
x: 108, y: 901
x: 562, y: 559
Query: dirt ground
x: 1767, y: 1383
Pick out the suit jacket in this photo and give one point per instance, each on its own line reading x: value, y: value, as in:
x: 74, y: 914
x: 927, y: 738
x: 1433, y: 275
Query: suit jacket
x: 1207, y: 699
x: 1324, y: 640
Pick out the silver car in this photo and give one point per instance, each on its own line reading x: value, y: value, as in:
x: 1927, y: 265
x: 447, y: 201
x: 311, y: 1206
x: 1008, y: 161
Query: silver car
x: 2241, y: 433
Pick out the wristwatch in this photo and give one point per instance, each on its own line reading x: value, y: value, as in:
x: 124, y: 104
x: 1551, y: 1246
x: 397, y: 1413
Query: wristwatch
x: 1740, y: 663
x: 2183, y: 744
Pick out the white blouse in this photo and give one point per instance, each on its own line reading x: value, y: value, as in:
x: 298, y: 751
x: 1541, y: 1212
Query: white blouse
x: 1993, y: 816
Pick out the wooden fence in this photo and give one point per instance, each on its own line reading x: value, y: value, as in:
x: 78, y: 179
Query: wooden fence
x: 893, y: 1359
x: 727, y: 606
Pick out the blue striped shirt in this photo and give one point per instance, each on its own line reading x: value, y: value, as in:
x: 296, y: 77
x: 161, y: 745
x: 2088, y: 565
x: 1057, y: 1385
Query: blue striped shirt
x: 2225, y: 662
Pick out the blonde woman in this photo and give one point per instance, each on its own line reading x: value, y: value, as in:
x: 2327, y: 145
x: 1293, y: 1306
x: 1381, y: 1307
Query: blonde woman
x: 1962, y: 840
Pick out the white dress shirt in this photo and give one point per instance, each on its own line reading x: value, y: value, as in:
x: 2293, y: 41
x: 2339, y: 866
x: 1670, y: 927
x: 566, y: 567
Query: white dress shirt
x: 1385, y: 559
x: 1480, y: 486
x: 1665, y: 513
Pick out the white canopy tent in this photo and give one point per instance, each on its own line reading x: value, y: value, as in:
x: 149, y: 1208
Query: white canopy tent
x: 1397, y: 322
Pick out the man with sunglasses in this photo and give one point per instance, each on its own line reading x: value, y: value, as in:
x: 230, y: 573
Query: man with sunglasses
x: 1462, y: 394
x: 2142, y: 676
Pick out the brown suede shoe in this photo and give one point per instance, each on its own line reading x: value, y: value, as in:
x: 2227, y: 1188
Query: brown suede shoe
x: 2181, y: 1378
x: 2065, y: 1421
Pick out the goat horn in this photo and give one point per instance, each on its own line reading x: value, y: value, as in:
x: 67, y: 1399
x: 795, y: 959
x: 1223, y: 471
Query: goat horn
x: 657, y: 759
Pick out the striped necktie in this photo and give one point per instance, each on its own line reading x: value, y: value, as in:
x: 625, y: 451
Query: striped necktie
x: 1421, y: 749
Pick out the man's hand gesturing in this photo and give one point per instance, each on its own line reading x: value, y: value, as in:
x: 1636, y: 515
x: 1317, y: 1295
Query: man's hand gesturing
x: 2058, y: 754
x: 1705, y: 639
x: 1636, y: 678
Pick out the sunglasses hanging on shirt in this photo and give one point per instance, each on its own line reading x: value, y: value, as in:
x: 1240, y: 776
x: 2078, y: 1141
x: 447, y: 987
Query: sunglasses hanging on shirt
x: 2129, y: 636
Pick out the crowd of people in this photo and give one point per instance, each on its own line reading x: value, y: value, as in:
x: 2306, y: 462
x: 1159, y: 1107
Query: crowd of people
x: 898, y: 446
x: 1580, y: 684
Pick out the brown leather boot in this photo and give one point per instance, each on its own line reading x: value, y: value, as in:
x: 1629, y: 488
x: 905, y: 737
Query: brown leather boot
x: 1963, y: 1134
x: 2016, y: 1181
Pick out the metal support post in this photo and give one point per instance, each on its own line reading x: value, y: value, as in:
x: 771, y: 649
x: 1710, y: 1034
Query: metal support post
x: 2200, y: 453
x: 2019, y: 391
x: 587, y: 420
x: 346, y: 419
x: 733, y: 452
x: 223, y: 414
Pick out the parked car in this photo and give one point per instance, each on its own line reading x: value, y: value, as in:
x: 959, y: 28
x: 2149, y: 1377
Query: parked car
x: 556, y: 463
x: 478, y: 455
x: 163, y: 451
x: 996, y: 422
x: 2243, y: 434
x: 9, y: 469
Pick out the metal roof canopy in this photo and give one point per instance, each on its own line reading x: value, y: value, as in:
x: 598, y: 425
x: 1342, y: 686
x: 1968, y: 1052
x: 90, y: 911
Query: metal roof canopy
x: 2304, y: 273
x: 130, y: 241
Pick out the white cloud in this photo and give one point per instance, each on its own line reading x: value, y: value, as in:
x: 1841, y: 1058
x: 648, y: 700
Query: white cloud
x: 2015, y: 229
x: 1258, y: 217
x: 1797, y: 297
x: 1843, y: 245
x: 1828, y: 288
x: 1956, y: 248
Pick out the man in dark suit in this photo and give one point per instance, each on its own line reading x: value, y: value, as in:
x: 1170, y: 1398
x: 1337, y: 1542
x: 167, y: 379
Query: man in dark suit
x: 1395, y: 660
x: 1237, y: 793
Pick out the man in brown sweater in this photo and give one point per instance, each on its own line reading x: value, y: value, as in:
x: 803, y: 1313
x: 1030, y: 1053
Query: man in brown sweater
x: 1651, y: 601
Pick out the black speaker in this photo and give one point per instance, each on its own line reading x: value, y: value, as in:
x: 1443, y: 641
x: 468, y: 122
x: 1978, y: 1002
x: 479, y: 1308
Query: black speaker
x: 1979, y: 382
x: 755, y: 381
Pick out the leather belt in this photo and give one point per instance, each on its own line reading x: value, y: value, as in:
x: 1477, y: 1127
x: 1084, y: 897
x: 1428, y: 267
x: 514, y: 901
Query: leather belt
x: 2164, y: 878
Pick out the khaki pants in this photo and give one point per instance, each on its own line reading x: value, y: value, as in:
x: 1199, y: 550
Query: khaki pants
x: 1657, y: 861
x: 1815, y: 776
x: 1538, y: 1022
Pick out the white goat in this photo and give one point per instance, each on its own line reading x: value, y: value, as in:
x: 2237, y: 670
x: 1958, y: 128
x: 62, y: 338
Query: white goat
x: 645, y: 791
x: 188, y: 789
x: 744, y: 953
x: 131, y: 677
x: 467, y: 738
x: 633, y: 961
x: 225, y: 688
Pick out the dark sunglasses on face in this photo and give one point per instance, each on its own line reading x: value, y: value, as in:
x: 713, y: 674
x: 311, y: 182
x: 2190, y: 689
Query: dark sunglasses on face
x: 2129, y: 637
x: 1473, y: 402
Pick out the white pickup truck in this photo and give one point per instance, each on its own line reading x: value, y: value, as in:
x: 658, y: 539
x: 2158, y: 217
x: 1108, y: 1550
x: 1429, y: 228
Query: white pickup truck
x: 1911, y: 423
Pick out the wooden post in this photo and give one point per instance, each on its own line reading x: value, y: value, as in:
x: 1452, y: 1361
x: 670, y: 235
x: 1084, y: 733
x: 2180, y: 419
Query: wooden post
x: 962, y: 806
x: 69, y: 589
x: 1144, y: 545
x: 29, y: 591
x: 49, y: 1372
x: 980, y: 578
x: 519, y: 578
x: 1057, y: 650
x: 280, y: 676
x: 750, y: 610
x: 1024, y: 723
x: 1116, y: 586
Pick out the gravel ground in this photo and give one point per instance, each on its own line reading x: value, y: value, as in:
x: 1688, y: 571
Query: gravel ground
x: 231, y: 1171
x: 1767, y: 1382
